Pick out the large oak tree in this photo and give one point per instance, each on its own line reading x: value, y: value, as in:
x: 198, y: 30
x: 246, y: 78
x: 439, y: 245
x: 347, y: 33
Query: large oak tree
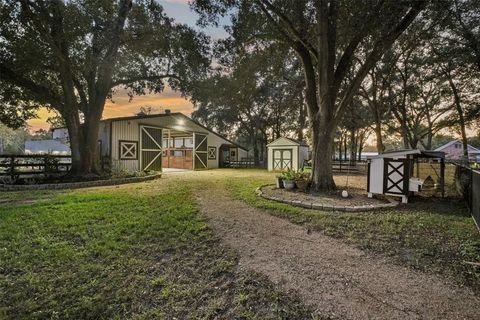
x: 72, y: 55
x: 330, y: 37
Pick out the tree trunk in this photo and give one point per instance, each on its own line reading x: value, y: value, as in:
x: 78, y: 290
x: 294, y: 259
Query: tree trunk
x: 353, y: 147
x: 378, y: 132
x: 256, y: 154
x: 461, y: 118
x: 75, y: 140
x: 323, y: 147
x: 301, y: 123
x: 90, y: 164
x: 340, y: 148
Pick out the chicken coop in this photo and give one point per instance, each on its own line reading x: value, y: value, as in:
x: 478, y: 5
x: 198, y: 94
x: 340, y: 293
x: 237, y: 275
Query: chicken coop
x: 392, y: 173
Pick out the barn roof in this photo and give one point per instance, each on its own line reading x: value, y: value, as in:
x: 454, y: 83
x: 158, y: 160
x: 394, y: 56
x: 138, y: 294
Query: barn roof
x: 172, y: 114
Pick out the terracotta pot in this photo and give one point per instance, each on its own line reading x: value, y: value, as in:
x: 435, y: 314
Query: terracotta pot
x: 289, y: 184
x: 301, y: 184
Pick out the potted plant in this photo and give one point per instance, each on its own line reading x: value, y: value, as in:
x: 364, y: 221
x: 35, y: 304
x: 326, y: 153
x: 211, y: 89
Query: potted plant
x: 289, y: 179
x: 301, y: 180
x: 279, y: 180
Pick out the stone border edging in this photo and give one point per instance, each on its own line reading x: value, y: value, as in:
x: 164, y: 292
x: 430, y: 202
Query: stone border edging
x: 324, y: 207
x: 76, y: 185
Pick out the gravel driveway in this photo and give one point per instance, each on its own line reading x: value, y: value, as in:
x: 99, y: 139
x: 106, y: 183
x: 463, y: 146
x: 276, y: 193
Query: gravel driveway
x: 338, y: 280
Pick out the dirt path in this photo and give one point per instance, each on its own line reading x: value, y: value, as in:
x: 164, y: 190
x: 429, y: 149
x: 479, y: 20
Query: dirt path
x: 338, y: 280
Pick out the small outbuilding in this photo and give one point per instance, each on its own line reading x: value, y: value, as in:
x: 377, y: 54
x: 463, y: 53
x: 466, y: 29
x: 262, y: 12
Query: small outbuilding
x: 392, y: 173
x: 286, y: 153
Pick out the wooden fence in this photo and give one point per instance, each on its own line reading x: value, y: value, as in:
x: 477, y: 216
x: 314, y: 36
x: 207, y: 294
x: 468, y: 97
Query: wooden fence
x: 243, y: 163
x: 32, y: 164
x: 347, y: 166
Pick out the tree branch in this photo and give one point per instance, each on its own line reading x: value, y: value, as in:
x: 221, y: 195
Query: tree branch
x: 288, y: 27
x: 377, y: 52
x: 120, y: 82
x: 346, y: 59
x: 42, y: 93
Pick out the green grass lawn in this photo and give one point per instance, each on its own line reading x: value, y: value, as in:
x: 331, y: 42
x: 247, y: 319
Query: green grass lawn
x: 133, y: 252
x: 431, y: 235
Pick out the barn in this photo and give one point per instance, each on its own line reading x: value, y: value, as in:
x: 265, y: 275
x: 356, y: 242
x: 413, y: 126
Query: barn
x: 164, y: 141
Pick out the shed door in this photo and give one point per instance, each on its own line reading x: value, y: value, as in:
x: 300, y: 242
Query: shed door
x: 200, y: 153
x: 150, y: 148
x: 282, y: 159
x: 395, y: 176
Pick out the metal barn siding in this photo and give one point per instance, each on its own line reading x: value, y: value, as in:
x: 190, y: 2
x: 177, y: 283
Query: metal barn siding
x: 128, y: 130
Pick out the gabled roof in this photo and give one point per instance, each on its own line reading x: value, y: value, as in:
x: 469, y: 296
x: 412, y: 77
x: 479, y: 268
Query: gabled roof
x: 448, y: 144
x: 287, y: 142
x: 172, y: 114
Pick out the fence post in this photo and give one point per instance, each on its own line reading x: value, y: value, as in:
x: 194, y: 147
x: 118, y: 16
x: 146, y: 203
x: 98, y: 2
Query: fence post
x: 12, y: 167
x: 442, y: 176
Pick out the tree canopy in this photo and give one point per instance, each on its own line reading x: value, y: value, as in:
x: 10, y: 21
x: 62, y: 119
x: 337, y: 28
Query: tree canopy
x: 71, y: 56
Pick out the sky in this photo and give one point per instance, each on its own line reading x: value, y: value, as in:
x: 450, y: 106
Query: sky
x: 121, y: 106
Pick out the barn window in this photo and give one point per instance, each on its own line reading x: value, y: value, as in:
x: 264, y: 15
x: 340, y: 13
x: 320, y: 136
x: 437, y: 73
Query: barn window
x: 128, y: 150
x: 212, y: 153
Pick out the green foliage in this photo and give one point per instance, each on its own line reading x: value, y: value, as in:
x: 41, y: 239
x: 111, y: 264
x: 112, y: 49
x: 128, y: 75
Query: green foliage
x: 72, y: 55
x: 131, y: 252
x: 291, y: 174
x: 12, y: 141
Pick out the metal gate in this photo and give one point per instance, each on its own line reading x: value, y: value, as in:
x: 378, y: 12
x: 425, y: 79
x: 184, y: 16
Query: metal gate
x: 282, y: 159
x: 395, y: 173
x: 150, y: 148
x: 200, y: 154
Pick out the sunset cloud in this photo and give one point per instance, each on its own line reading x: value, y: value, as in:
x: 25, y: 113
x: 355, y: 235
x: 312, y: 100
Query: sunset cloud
x: 121, y: 106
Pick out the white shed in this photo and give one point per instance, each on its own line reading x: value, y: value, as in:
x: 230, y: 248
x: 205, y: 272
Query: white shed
x: 285, y: 153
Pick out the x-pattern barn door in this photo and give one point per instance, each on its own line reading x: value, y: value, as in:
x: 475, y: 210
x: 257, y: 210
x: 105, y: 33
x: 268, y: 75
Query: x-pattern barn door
x: 395, y: 172
x: 200, y: 154
x: 282, y: 159
x: 150, y: 148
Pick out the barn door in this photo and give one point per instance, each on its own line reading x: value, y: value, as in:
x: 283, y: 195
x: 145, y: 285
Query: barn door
x: 200, y: 153
x: 150, y: 148
x: 282, y: 159
x: 395, y: 176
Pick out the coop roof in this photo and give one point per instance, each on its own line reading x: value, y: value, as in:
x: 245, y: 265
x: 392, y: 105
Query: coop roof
x: 407, y: 152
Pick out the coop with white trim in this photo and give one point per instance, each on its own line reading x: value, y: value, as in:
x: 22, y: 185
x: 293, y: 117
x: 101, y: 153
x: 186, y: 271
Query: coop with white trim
x: 392, y: 173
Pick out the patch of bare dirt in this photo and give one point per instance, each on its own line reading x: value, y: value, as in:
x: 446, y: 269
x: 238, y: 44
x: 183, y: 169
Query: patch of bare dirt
x: 338, y: 280
x: 356, y: 197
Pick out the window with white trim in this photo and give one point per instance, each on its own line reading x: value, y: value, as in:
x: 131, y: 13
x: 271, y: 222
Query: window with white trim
x: 128, y: 150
